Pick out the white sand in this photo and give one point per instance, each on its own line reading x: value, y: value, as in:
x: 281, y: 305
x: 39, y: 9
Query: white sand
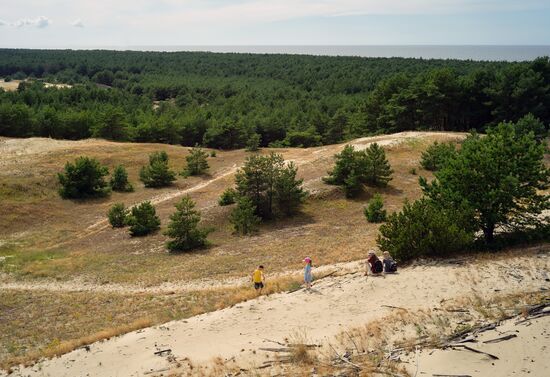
x: 336, y: 304
x: 525, y: 355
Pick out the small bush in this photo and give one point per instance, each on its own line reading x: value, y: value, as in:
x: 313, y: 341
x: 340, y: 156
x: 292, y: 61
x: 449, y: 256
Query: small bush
x: 436, y: 155
x: 227, y: 197
x: 424, y: 229
x: 412, y: 171
x: 244, y: 217
x: 183, y: 227
x: 213, y: 154
x: 143, y: 220
x: 83, y: 179
x: 117, y: 215
x: 157, y: 173
x: 119, y: 180
x: 374, y: 211
x: 253, y: 143
x: 196, y: 162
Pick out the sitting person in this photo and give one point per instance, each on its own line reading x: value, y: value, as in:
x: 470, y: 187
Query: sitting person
x: 390, y: 266
x: 374, y: 265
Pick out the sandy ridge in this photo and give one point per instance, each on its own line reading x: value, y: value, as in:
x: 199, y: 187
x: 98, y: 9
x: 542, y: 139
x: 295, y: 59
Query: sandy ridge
x: 335, y: 304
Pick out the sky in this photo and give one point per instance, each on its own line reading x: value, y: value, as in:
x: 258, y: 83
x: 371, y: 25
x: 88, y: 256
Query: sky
x: 126, y: 23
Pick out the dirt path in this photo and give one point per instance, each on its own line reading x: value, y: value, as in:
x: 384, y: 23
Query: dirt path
x: 166, y: 288
x: 332, y: 306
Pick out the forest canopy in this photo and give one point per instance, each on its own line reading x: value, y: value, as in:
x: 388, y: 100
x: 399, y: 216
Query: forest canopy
x: 226, y: 100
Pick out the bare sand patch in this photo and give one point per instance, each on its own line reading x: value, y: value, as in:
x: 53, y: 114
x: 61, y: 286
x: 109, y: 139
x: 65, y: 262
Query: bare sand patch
x: 332, y: 306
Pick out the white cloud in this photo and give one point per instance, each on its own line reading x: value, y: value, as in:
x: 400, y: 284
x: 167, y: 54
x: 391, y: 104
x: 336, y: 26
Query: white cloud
x: 77, y: 23
x: 39, y: 22
x: 2, y: 23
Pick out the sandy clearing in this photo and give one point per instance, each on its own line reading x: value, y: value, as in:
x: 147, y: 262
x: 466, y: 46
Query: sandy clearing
x: 334, y: 305
x: 524, y: 355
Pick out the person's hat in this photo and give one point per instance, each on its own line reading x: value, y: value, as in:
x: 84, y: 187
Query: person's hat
x: 371, y: 252
x: 307, y: 259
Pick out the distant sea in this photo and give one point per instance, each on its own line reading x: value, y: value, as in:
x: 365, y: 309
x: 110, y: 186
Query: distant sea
x: 474, y: 52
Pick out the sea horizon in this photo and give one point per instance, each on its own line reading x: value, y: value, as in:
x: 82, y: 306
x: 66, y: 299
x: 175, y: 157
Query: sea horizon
x: 460, y: 52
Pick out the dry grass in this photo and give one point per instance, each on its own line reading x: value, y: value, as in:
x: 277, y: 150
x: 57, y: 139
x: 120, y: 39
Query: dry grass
x: 371, y: 345
x: 330, y: 228
x: 37, y: 324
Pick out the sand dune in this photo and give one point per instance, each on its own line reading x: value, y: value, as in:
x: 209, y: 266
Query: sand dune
x: 336, y: 303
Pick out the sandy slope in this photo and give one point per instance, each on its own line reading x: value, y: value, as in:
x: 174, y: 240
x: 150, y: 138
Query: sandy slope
x: 335, y: 304
x: 524, y: 355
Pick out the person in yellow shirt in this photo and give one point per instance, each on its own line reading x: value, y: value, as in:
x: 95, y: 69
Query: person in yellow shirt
x: 258, y: 279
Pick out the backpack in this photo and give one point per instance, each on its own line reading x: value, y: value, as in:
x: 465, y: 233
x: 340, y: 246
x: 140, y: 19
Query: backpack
x: 393, y: 267
x: 377, y: 267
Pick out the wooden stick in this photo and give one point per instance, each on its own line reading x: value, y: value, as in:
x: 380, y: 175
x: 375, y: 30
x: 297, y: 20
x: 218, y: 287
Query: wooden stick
x: 502, y: 338
x: 393, y: 307
x: 163, y: 351
x: 344, y: 359
x: 476, y: 351
x: 274, y: 341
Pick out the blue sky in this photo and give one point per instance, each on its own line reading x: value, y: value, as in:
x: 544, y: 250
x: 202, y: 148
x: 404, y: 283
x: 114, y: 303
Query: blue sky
x: 89, y: 23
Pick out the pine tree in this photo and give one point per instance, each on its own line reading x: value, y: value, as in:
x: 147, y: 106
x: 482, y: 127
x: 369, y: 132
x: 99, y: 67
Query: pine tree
x: 117, y: 215
x: 227, y: 197
x: 436, y: 155
x: 83, y: 179
x: 345, y: 164
x: 378, y: 171
x: 143, y: 220
x: 256, y: 180
x: 374, y: 211
x: 501, y: 176
x: 157, y: 173
x: 253, y: 143
x: 183, y: 227
x: 197, y: 163
x: 119, y: 180
x: 244, y: 217
x: 289, y: 194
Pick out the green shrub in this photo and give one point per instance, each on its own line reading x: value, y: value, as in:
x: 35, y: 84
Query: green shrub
x: 436, y: 155
x: 412, y: 171
x: 253, y: 143
x: 424, y: 229
x: 196, y: 162
x: 289, y: 194
x: 227, y: 197
x: 271, y: 184
x: 183, y: 227
x: 117, y: 215
x: 213, y: 154
x: 502, y: 176
x: 244, y: 217
x: 354, y: 168
x: 143, y: 220
x: 374, y: 211
x: 119, y: 180
x: 376, y: 169
x: 83, y: 179
x: 157, y: 173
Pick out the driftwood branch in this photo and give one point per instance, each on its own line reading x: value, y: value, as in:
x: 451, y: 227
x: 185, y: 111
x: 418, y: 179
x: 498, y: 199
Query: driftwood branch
x: 393, y: 307
x: 475, y: 350
x: 502, y: 338
x: 168, y: 350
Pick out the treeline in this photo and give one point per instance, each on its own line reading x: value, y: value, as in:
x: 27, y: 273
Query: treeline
x: 230, y: 100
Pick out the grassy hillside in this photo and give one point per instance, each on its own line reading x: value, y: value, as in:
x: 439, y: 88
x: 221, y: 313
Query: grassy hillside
x: 62, y: 264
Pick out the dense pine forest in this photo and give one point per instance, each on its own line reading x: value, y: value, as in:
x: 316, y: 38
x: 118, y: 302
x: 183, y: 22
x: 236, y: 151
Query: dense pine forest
x: 238, y: 100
